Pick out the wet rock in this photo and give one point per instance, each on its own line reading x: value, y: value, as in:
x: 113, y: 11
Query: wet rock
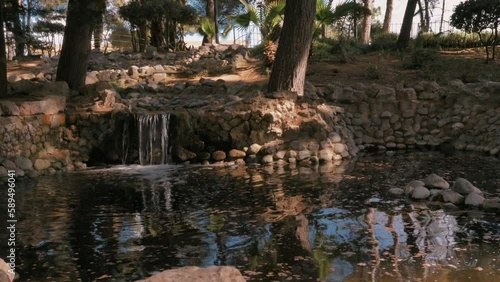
x: 411, y: 186
x: 450, y: 207
x: 251, y: 159
x: 197, y: 274
x: 254, y: 149
x: 267, y: 159
x: 397, y: 191
x: 219, y: 156
x: 436, y: 181
x: 474, y: 200
x: 236, y: 154
x: 24, y: 163
x: 325, y: 155
x: 9, y: 165
x: 183, y: 154
x: 41, y: 164
x: 303, y: 155
x: 463, y: 186
x: 453, y: 197
x: 420, y: 193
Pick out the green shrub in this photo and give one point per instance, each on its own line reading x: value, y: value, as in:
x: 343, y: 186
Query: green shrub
x: 384, y: 42
x: 322, y: 50
x: 258, y: 50
x: 422, y: 56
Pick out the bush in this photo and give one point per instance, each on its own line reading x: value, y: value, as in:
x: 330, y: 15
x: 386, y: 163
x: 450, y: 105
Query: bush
x: 384, y: 42
x: 346, y: 49
x: 422, y: 56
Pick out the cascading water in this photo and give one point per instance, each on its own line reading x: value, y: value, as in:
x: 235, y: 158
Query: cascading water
x: 151, y: 139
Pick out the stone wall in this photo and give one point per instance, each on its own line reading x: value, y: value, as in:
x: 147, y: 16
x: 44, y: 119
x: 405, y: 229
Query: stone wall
x: 32, y: 130
x: 218, y: 121
x: 461, y: 116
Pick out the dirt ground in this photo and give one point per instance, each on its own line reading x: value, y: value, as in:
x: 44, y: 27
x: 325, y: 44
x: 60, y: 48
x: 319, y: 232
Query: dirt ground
x: 373, y: 67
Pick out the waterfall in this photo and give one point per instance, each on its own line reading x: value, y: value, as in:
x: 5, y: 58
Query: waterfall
x: 151, y: 140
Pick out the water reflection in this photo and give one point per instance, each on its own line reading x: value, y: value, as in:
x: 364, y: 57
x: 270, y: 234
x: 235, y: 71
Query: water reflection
x: 274, y: 223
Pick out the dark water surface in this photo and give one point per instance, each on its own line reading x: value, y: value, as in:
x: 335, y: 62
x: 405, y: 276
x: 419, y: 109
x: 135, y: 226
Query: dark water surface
x: 329, y: 223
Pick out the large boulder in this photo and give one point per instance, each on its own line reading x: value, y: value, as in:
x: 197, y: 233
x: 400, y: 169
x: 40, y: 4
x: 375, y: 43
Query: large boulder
x: 474, y: 200
x: 463, y: 186
x: 197, y: 274
x: 450, y: 196
x: 436, y: 181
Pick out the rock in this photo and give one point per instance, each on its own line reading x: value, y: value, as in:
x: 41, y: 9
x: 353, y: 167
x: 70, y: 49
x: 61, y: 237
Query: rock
x: 267, y: 159
x: 339, y: 148
x: 410, y: 186
x: 453, y: 197
x: 23, y: 86
x: 251, y: 159
x: 325, y: 155
x: 474, y: 200
x: 303, y: 155
x: 9, y: 165
x: 6, y: 273
x: 236, y: 154
x: 254, y: 149
x: 183, y: 154
x: 279, y: 155
x: 450, y: 207
x: 314, y: 160
x: 41, y: 164
x: 197, y: 274
x: 24, y: 163
x: 9, y: 108
x: 334, y: 137
x: 436, y: 181
x: 420, y: 193
x: 3, y: 172
x: 492, y: 205
x: 219, y: 156
x: 396, y: 191
x: 157, y: 78
x: 463, y: 186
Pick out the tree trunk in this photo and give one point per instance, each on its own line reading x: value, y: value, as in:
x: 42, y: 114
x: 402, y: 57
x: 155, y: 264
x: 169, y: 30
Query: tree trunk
x: 80, y: 21
x: 3, y: 56
x: 421, y: 14
x: 427, y: 16
x: 405, y: 33
x: 17, y: 28
x: 289, y: 69
x: 216, y: 21
x: 442, y: 17
x: 209, y: 9
x: 98, y: 31
x: 28, y: 23
x: 366, y: 23
x: 387, y: 18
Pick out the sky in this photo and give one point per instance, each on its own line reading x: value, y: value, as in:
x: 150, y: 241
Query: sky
x: 399, y: 7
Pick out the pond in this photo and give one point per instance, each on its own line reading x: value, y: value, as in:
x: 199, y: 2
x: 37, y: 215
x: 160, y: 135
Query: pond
x: 334, y: 222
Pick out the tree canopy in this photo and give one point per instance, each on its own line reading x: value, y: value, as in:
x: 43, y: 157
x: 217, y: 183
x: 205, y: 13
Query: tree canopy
x: 481, y: 17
